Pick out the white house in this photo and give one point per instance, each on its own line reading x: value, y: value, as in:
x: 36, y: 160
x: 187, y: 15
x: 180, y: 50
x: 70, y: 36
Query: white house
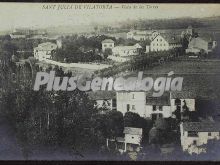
x: 163, y: 42
x: 195, y: 134
x: 44, y: 51
x: 130, y: 142
x: 107, y: 44
x: 142, y: 35
x: 199, y: 44
x: 143, y: 104
x: 179, y: 99
x: 104, y: 99
x: 124, y: 51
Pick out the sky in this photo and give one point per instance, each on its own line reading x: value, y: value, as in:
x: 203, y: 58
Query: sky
x: 15, y: 15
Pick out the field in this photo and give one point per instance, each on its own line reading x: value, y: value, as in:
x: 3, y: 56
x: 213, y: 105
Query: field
x: 201, y: 79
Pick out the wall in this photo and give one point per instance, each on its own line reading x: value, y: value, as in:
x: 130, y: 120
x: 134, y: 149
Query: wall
x: 126, y: 98
x: 159, y: 44
x: 42, y: 55
x: 166, y: 111
x: 189, y: 102
x: 122, y: 52
x: 187, y: 142
x: 133, y: 139
x: 107, y: 46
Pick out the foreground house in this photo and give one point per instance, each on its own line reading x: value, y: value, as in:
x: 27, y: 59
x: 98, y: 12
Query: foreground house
x: 144, y: 104
x: 45, y: 51
x: 130, y: 142
x: 200, y: 45
x: 195, y: 134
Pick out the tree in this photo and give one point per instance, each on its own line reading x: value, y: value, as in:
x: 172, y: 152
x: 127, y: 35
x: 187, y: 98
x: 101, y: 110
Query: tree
x: 134, y: 120
x: 114, y: 123
x: 107, y: 52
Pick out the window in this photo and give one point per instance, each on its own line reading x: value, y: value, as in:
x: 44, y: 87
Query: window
x: 132, y: 96
x: 128, y: 107
x: 114, y: 104
x: 160, y: 108
x: 133, y: 107
x: 194, y: 142
x: 110, y: 45
x: 160, y: 39
x: 132, y: 137
x: 105, y: 45
x: 154, y: 107
x: 157, y: 39
x: 209, y: 134
x: 160, y: 115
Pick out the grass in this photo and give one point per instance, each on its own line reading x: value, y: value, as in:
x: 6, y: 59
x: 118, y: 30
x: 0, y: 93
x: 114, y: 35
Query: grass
x: 202, y: 78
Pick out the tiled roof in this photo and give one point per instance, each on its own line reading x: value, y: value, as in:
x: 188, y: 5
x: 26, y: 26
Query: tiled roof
x: 202, y: 126
x: 102, y: 95
x: 162, y: 100
x: 183, y: 95
x: 108, y: 41
x: 171, y: 39
x: 133, y: 131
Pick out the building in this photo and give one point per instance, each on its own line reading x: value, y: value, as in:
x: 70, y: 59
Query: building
x: 144, y: 104
x: 45, y: 51
x: 142, y: 35
x: 17, y: 35
x: 200, y: 45
x: 179, y: 99
x: 163, y: 42
x: 195, y: 134
x: 130, y: 142
x: 27, y: 33
x: 107, y: 44
x: 158, y: 107
x: 124, y: 51
x: 104, y: 99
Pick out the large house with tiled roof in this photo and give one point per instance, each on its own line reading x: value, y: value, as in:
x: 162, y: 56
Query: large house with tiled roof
x: 163, y: 42
x: 201, y: 44
x: 144, y: 104
x: 194, y: 135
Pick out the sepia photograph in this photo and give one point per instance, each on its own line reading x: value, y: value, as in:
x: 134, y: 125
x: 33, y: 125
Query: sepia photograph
x: 110, y: 81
